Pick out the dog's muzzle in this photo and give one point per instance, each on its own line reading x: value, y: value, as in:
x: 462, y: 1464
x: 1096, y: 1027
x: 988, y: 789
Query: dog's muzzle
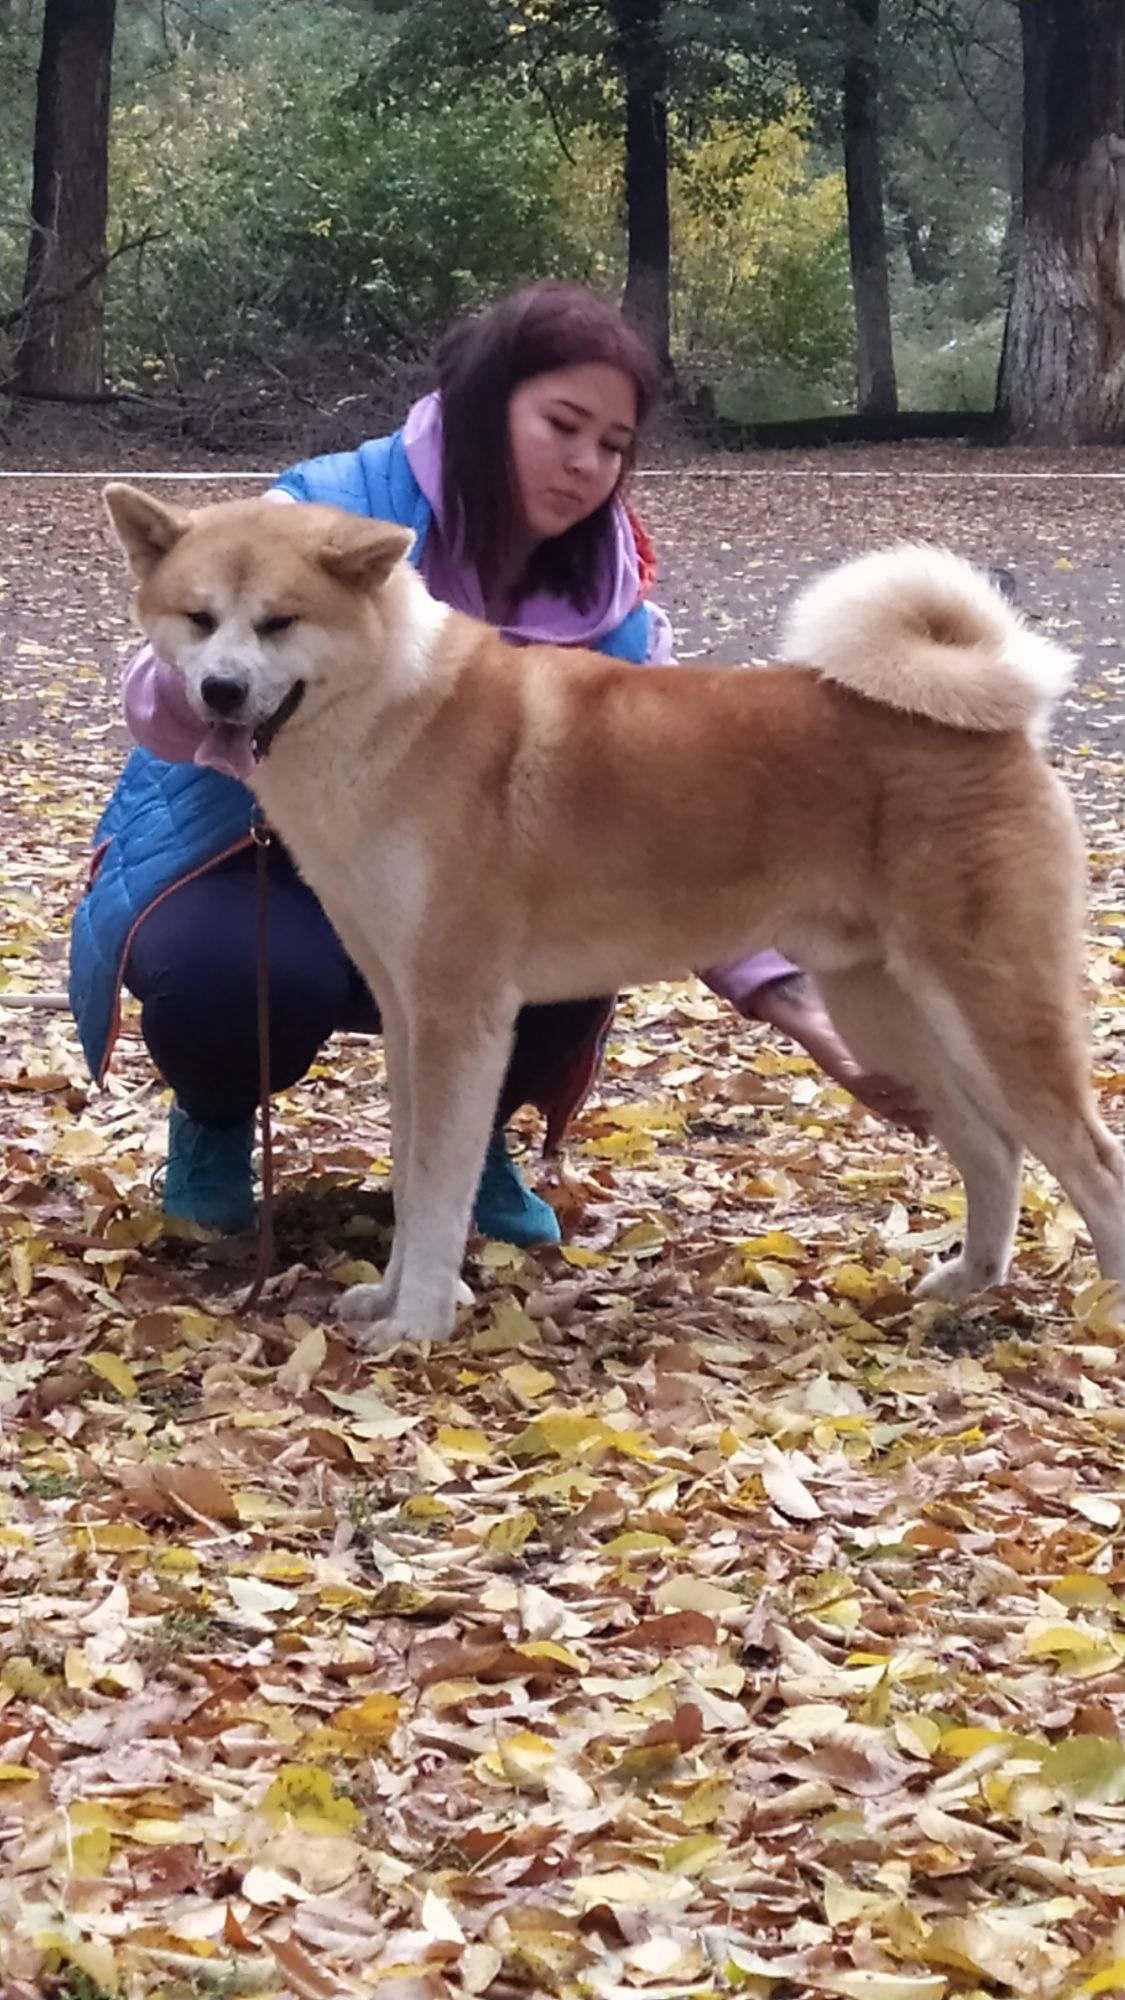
x: 267, y: 730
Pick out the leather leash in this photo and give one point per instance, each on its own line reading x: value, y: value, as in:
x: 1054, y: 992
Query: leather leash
x: 260, y: 834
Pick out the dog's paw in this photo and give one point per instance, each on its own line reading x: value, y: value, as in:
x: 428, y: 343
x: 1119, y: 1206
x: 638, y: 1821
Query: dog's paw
x: 361, y: 1304
x: 380, y: 1335
x: 955, y: 1281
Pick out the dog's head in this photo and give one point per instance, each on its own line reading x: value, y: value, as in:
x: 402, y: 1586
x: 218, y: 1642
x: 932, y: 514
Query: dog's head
x: 266, y: 609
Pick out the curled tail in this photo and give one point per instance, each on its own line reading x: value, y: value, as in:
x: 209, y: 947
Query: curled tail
x: 920, y: 629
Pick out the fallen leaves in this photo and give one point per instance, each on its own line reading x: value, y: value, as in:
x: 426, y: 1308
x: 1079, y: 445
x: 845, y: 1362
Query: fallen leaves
x: 705, y: 1621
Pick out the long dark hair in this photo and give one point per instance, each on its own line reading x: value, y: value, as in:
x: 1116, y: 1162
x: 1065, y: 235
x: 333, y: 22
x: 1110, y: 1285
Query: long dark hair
x: 479, y: 363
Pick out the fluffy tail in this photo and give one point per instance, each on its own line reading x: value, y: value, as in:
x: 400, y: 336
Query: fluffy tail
x: 920, y: 629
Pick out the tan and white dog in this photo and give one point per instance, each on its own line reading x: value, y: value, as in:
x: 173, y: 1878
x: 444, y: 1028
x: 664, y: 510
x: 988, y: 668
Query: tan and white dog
x: 487, y: 826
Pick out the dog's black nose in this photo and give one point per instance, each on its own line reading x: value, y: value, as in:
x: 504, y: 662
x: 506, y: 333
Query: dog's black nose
x: 222, y: 695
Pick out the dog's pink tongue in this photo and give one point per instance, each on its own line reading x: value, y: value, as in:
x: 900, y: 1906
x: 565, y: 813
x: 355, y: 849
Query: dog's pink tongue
x: 227, y: 747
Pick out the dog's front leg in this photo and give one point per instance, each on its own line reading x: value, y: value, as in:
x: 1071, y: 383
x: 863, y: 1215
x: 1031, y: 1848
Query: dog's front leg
x: 456, y: 1071
x: 364, y: 1304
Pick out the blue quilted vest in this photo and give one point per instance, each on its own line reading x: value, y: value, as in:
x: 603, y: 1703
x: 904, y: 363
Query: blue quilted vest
x: 166, y: 822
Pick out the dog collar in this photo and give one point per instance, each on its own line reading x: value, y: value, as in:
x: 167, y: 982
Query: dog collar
x: 266, y: 731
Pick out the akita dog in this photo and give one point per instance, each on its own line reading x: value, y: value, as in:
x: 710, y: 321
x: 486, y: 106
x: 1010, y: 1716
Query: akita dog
x: 487, y: 825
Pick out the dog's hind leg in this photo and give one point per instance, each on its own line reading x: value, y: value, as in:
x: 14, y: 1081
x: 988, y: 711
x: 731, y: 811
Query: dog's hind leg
x: 1086, y: 1160
x: 1008, y: 1058
x: 455, y: 1079
x: 887, y: 1029
x: 1027, y: 1023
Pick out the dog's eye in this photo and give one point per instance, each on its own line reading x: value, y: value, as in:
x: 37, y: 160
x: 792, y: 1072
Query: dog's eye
x: 202, y: 620
x: 270, y: 627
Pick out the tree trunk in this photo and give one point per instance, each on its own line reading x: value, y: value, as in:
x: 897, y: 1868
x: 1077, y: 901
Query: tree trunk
x: 62, y: 339
x: 1062, y: 375
x: 643, y: 59
x: 876, y: 392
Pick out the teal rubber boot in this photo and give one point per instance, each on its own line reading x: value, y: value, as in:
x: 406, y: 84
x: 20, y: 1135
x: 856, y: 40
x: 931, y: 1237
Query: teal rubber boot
x: 505, y: 1208
x: 209, y: 1178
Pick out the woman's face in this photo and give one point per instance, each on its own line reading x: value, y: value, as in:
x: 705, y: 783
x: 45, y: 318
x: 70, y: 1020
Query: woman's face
x: 568, y: 432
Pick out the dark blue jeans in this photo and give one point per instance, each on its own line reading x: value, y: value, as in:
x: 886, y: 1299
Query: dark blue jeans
x: 193, y: 967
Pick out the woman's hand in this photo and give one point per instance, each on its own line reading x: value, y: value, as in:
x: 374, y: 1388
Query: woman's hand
x: 794, y: 1005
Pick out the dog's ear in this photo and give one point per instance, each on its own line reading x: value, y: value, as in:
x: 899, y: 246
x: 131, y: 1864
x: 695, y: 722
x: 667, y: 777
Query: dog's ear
x: 363, y: 553
x: 146, y: 528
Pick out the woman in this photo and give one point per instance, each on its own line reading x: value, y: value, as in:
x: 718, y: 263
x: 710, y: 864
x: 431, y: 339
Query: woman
x: 512, y: 477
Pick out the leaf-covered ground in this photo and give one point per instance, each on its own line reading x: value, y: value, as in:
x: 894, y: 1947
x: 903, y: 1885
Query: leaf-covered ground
x: 705, y: 1620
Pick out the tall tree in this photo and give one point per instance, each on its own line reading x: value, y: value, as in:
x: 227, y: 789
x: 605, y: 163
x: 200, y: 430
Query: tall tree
x: 1062, y: 376
x: 876, y: 392
x: 61, y: 348
x: 642, y: 57
x: 618, y: 66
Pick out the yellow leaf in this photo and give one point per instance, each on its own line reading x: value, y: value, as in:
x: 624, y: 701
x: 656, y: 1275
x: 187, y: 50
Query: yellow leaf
x: 23, y: 1270
x: 426, y: 1507
x: 523, y: 1760
x: 374, y: 1718
x: 355, y: 1271
x: 546, y: 1649
x: 636, y: 1542
x: 844, y: 1904
x: 586, y: 1260
x: 93, y: 1956
x: 776, y: 1243
x: 696, y: 1593
x: 631, y: 1887
x: 918, y: 1735
x: 255, y: 1508
x: 1110, y: 1980
x: 118, y: 1537
x: 1073, y: 1642
x: 468, y: 1444
x: 16, y: 1774
x: 845, y: 1613
x: 79, y: 1143
x: 23, y: 1677
x: 1087, y: 1767
x: 282, y: 1566
x: 507, y: 1537
x: 562, y: 1485
x: 641, y: 1239
x: 305, y: 1795
x: 1092, y: 1593
x: 694, y: 1855
x: 562, y: 1434
x: 852, y: 1281
x: 76, y: 1669
x: 962, y: 1743
x: 705, y: 1802
x: 527, y: 1382
x: 116, y: 1372
x: 89, y: 1853
x: 509, y: 1326
x: 305, y: 1361
x: 166, y: 1833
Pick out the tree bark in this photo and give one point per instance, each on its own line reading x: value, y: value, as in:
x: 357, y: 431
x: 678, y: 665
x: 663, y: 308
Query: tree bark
x: 876, y: 390
x: 62, y: 344
x: 642, y: 56
x: 1062, y: 374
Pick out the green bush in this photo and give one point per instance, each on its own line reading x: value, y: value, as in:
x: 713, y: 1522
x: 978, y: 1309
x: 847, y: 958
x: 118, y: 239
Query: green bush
x: 958, y: 374
x: 289, y: 207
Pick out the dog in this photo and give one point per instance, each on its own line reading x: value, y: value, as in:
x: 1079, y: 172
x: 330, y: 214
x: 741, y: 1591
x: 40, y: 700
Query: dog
x: 488, y: 825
